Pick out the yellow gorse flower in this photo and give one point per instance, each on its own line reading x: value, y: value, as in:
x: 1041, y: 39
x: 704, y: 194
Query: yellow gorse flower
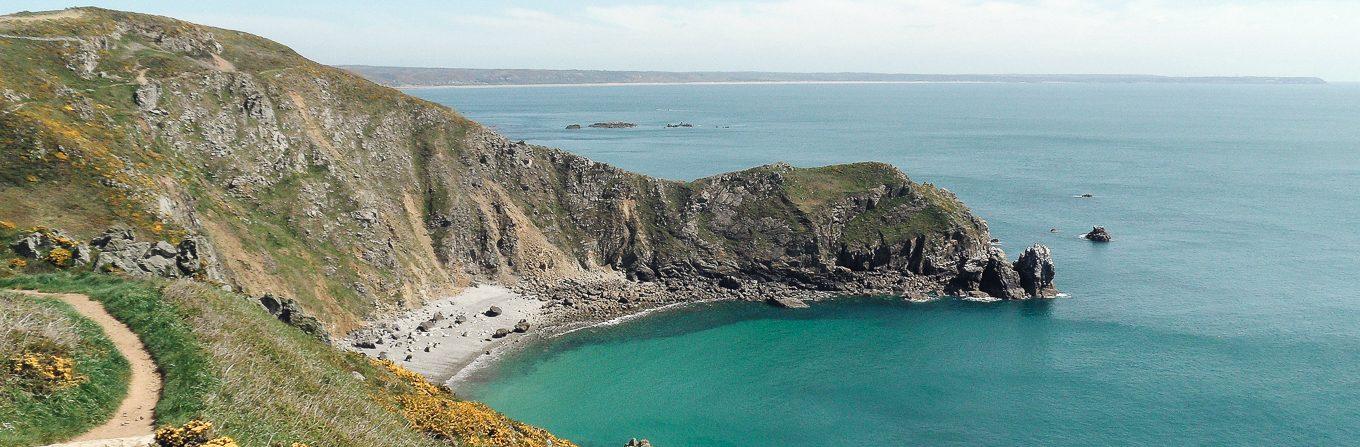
x: 59, y: 256
x: 433, y: 410
x: 53, y: 371
x: 195, y: 433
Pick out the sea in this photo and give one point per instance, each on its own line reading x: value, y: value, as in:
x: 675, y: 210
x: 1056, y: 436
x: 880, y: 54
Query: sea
x: 1225, y: 312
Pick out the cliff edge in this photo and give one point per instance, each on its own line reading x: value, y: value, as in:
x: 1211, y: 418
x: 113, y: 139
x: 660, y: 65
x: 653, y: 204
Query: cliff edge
x: 298, y: 179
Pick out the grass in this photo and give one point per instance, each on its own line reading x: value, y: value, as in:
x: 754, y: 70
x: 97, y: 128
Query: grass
x: 161, y: 326
x: 32, y: 414
x: 265, y: 383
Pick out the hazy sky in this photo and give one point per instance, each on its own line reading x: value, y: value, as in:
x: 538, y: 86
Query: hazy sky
x: 1170, y: 37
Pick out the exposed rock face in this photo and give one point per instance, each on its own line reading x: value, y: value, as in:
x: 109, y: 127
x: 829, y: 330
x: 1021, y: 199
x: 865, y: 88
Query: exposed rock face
x: 999, y: 278
x: 307, y: 181
x: 1098, y: 234
x: 120, y: 252
x: 1035, y: 267
x: 288, y: 311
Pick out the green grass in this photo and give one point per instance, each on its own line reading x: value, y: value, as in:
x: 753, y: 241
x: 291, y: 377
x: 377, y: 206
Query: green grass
x: 182, y: 358
x: 31, y: 416
x: 256, y: 379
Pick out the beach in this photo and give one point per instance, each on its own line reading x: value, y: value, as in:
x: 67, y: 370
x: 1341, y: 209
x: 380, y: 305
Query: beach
x: 457, y: 332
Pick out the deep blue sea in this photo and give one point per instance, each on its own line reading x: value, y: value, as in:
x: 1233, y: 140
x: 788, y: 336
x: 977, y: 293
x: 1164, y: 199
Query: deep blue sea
x: 1225, y: 312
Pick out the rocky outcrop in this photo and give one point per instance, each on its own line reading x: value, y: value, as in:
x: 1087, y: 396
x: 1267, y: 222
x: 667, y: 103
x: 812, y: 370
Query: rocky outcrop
x: 1035, y: 268
x: 288, y: 311
x: 119, y: 251
x: 1098, y: 234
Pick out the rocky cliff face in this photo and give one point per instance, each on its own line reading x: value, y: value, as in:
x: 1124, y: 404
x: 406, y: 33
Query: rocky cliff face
x: 302, y: 180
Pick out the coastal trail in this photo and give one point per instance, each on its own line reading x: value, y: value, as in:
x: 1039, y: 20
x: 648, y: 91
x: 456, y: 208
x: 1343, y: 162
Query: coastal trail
x: 133, y: 422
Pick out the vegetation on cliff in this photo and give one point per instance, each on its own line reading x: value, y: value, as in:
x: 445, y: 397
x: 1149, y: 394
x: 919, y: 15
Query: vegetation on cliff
x: 307, y: 181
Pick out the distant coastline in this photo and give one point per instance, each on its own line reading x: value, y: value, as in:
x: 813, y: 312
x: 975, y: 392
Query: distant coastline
x: 422, y: 77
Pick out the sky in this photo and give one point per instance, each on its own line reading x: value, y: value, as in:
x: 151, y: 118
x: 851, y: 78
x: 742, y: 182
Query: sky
x: 1166, y: 37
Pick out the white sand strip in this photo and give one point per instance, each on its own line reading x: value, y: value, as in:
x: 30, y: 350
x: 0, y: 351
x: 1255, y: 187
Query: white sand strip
x: 453, y: 346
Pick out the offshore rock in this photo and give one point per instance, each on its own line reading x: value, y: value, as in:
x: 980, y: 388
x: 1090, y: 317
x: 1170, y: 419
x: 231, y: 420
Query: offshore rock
x: 613, y: 125
x: 1035, y: 267
x: 1098, y: 234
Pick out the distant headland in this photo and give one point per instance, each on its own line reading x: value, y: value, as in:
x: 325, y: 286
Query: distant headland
x: 444, y: 77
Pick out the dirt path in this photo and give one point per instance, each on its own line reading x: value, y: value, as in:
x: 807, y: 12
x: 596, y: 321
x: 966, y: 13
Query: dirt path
x: 134, y: 416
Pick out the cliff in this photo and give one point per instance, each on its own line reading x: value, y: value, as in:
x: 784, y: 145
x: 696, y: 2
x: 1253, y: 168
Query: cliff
x: 302, y: 180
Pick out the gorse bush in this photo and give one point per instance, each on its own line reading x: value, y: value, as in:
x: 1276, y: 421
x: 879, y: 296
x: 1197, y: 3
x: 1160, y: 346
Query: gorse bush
x: 195, y: 433
x: 434, y: 410
x: 49, y: 372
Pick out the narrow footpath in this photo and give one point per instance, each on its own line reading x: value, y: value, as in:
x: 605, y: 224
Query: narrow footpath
x: 133, y: 422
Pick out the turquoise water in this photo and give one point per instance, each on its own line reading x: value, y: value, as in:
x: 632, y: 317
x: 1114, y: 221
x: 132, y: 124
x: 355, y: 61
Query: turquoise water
x: 1225, y: 312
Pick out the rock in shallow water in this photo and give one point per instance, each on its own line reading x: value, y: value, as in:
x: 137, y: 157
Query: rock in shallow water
x: 786, y: 302
x: 1098, y: 234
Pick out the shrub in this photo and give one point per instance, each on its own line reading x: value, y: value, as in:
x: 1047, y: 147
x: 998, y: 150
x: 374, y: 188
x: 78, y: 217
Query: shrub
x: 59, y: 256
x: 195, y: 433
x: 50, y: 371
x: 433, y: 410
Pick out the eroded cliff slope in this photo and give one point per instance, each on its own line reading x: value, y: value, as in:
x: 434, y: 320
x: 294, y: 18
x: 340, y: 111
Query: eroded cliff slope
x: 299, y: 179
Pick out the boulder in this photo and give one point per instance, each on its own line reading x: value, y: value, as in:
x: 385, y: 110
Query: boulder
x: 120, y: 255
x: 157, y: 265
x: 288, y: 311
x: 110, y: 235
x: 573, y: 126
x: 82, y: 255
x: 146, y: 96
x: 1098, y: 234
x: 30, y: 246
x: 786, y: 302
x: 1035, y: 268
x: 187, y: 259
x: 728, y: 282
x: 501, y: 333
x: 915, y: 295
x: 460, y: 319
x: 493, y: 311
x: 522, y: 326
